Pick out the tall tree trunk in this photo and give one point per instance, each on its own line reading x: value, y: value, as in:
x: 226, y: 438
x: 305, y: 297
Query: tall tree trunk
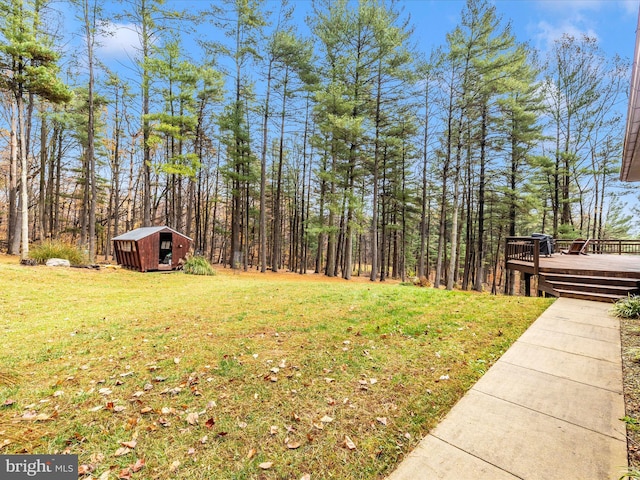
x: 374, y: 198
x: 14, y: 230
x: 277, y: 211
x: 24, y: 171
x: 451, y: 278
x: 424, y: 207
x: 263, y: 176
x: 478, y: 284
x: 42, y: 193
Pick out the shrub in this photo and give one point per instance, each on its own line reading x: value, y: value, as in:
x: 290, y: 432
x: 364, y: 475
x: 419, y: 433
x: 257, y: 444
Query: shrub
x: 198, y: 266
x: 56, y: 249
x: 627, y: 307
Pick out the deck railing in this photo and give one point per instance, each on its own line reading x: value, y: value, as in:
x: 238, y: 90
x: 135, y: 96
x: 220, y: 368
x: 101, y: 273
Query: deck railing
x: 607, y: 247
x: 525, y: 249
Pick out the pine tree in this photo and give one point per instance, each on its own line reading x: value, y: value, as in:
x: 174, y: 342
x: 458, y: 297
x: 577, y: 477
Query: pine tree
x: 28, y: 65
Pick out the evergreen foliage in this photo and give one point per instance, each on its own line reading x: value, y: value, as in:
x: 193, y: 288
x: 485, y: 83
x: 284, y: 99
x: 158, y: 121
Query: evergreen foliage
x: 344, y: 151
x: 198, y: 265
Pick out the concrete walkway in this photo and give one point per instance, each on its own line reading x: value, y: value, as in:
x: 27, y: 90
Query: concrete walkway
x: 550, y: 408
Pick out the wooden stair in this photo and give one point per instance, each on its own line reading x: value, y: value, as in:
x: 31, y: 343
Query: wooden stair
x: 599, y: 288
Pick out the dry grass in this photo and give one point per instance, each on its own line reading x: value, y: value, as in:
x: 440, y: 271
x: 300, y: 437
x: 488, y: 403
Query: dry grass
x: 213, y: 376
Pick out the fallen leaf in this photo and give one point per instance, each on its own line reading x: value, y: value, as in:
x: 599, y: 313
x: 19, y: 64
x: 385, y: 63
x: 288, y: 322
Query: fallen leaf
x: 58, y: 393
x: 242, y: 424
x: 29, y: 415
x: 4, y: 443
x: 210, y: 423
x: 204, y: 439
x: 192, y: 418
x: 105, y: 391
x: 373, y: 381
x: 8, y: 402
x: 349, y: 443
x: 136, y: 467
x: 130, y: 444
x: 85, y: 469
x: 119, y: 408
x: 382, y: 420
x: 293, y: 445
x: 306, y: 476
x: 407, y: 436
x: 125, y: 474
x: 326, y: 419
x: 96, y: 409
x: 273, y: 430
x: 191, y: 451
x: 138, y: 394
x: 176, y: 360
x: 105, y: 475
x: 266, y: 465
x: 251, y: 453
x: 122, y: 451
x: 328, y: 380
x: 174, y: 466
x: 146, y: 410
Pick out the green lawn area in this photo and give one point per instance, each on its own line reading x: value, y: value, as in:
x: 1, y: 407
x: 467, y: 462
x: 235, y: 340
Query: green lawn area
x: 236, y: 376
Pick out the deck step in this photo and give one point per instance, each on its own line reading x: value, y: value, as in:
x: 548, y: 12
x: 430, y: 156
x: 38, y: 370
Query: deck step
x: 594, y: 287
x: 600, y: 280
x: 598, y: 297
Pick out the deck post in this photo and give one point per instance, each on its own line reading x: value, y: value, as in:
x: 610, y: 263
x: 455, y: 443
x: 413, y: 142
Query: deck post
x: 527, y: 284
x: 536, y: 255
x: 506, y: 266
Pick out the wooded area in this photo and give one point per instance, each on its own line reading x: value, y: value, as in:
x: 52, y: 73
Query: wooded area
x: 347, y: 152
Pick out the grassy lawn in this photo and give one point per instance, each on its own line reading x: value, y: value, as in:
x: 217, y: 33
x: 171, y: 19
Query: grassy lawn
x: 236, y: 376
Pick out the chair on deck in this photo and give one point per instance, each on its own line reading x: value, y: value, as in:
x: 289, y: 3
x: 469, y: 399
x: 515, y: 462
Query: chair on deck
x: 577, y: 247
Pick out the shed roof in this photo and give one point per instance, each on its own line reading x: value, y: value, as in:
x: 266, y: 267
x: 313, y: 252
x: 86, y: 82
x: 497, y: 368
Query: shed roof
x: 143, y: 232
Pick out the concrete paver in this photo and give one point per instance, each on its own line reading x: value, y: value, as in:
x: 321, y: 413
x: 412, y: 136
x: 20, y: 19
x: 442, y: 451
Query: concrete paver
x: 595, y: 409
x: 550, y: 408
x: 436, y: 459
x: 580, y: 368
x: 578, y: 345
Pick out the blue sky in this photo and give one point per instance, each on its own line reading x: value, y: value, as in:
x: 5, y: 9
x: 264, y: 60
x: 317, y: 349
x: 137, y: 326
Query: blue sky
x: 537, y: 22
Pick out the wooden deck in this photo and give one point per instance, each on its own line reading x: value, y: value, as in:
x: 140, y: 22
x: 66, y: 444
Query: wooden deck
x: 601, y: 277
x: 592, y: 264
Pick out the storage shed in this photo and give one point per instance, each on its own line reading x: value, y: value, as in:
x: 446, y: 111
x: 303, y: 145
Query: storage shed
x: 151, y: 248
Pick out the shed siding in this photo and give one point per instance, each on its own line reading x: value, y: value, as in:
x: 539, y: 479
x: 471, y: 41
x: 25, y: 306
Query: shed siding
x: 133, y: 250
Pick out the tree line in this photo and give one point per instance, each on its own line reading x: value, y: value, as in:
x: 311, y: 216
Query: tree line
x: 346, y: 151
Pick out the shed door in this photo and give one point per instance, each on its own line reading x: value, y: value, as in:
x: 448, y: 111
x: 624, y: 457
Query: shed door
x: 166, y: 244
